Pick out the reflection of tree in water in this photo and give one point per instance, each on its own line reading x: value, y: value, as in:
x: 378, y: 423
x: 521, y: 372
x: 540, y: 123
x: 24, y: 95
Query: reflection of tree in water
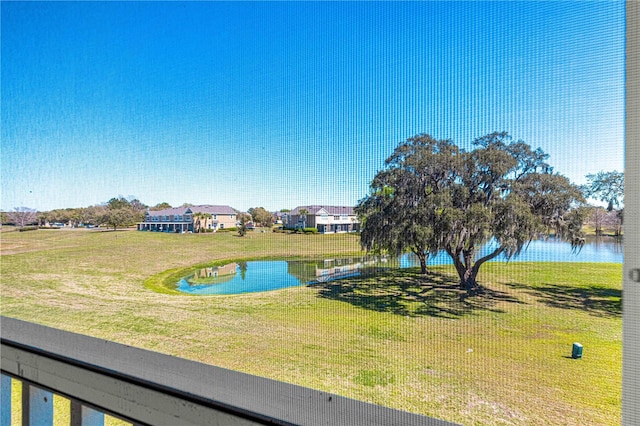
x: 328, y: 269
x: 612, y: 244
x: 303, y: 271
x: 243, y: 269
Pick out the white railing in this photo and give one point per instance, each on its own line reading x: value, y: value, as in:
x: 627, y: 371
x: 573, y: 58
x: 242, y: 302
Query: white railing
x: 144, y: 387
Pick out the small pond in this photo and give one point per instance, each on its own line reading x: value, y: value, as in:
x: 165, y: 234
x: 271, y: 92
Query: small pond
x: 259, y: 276
x: 265, y: 275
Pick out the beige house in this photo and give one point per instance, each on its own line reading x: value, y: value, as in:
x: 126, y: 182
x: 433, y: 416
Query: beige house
x: 326, y: 219
x: 189, y: 219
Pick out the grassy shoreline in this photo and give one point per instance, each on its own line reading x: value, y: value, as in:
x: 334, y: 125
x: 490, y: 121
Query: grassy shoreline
x: 398, y: 339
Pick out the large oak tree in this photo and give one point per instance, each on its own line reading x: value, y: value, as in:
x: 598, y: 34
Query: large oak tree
x: 434, y: 196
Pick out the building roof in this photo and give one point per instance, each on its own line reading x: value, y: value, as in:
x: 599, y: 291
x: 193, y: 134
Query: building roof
x: 167, y: 212
x: 333, y: 210
x: 207, y: 208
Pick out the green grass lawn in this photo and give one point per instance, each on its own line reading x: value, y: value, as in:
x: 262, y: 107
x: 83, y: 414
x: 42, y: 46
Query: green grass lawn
x: 397, y: 339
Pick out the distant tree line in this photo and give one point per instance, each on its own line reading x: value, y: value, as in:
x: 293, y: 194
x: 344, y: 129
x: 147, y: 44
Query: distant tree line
x: 115, y: 213
x: 120, y: 212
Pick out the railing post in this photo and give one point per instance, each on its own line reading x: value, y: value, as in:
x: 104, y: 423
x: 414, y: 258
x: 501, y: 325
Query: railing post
x: 5, y: 400
x: 37, y: 406
x: 81, y: 415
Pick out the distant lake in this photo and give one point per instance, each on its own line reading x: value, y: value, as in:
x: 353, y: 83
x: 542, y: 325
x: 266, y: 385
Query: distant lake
x: 259, y: 276
x: 602, y: 249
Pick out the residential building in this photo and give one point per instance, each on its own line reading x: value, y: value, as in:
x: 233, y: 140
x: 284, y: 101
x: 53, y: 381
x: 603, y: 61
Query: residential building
x: 189, y: 219
x: 326, y: 219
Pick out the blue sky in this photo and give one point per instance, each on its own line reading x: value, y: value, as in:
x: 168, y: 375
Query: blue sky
x: 280, y: 104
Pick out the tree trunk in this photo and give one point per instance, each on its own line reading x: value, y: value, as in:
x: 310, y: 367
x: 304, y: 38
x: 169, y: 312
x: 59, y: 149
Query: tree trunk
x: 468, y: 270
x: 423, y: 261
x: 468, y: 281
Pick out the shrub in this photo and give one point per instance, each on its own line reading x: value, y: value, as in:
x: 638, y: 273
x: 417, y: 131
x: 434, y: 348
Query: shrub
x: 291, y: 230
x: 28, y: 228
x: 234, y: 229
x: 310, y: 230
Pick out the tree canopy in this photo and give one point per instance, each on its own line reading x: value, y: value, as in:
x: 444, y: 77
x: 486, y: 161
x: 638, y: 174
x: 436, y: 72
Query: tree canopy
x: 243, y: 219
x: 434, y: 196
x: 261, y: 216
x: 122, y: 212
x: 161, y: 206
x: 607, y: 187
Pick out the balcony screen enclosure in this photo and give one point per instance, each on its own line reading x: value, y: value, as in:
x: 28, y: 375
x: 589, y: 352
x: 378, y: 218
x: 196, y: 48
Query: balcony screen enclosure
x: 444, y: 181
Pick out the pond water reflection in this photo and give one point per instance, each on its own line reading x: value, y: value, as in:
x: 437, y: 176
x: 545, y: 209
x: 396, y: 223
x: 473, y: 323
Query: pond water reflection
x: 258, y: 276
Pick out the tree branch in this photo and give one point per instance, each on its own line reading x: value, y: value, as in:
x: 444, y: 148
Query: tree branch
x: 494, y: 254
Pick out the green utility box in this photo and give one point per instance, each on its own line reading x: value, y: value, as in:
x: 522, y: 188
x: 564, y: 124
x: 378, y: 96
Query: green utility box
x: 576, y: 353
